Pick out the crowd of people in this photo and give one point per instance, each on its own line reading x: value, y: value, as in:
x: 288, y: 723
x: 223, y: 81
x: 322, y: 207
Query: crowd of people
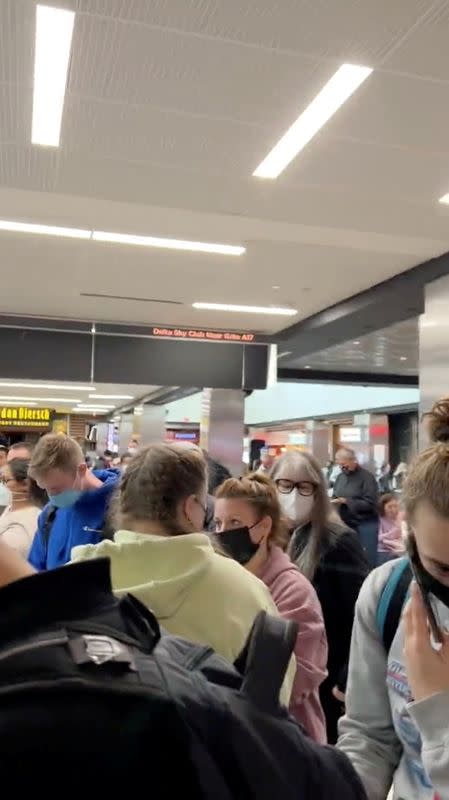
x: 206, y: 552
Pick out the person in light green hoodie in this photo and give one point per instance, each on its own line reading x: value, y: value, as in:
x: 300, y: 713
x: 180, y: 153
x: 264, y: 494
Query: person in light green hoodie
x: 159, y: 556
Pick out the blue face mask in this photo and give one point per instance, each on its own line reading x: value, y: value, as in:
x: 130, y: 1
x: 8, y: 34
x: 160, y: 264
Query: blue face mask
x: 65, y: 499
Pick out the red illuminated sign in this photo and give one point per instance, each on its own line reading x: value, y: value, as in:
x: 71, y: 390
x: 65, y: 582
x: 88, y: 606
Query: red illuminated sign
x: 207, y: 336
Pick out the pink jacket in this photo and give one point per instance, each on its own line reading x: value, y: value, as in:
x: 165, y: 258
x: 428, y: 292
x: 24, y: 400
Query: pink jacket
x: 296, y: 599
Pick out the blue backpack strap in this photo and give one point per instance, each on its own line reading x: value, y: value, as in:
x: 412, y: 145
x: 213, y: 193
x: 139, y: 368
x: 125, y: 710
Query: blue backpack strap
x: 392, y: 602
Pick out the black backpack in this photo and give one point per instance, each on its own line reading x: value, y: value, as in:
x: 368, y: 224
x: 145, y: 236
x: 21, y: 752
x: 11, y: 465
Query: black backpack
x: 94, y: 699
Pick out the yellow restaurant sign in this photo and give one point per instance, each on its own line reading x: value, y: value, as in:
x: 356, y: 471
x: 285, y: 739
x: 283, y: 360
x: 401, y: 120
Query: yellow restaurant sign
x: 24, y: 417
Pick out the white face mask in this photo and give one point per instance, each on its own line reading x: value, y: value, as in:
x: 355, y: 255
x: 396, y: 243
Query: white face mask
x: 296, y: 507
x: 5, y: 495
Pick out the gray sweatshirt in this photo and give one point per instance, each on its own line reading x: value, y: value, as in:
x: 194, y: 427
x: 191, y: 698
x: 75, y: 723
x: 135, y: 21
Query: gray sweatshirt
x: 388, y: 737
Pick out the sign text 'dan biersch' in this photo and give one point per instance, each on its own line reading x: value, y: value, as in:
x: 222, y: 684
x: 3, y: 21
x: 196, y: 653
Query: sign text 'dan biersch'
x: 25, y: 417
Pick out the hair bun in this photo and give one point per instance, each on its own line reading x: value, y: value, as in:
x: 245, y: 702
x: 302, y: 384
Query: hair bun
x: 438, y: 421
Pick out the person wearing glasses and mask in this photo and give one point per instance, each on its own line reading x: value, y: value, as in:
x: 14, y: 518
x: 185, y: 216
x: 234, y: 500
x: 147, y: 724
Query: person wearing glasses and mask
x: 249, y: 527
x: 19, y: 522
x: 329, y: 554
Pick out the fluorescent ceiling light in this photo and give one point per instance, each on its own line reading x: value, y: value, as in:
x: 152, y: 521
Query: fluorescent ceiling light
x: 171, y: 244
x: 284, y: 354
x: 112, y: 396
x: 50, y: 386
x: 120, y: 238
x: 43, y: 399
x: 94, y: 405
x: 45, y: 230
x: 54, y: 29
x: 283, y: 312
x: 444, y: 199
x: 17, y: 403
x: 338, y: 89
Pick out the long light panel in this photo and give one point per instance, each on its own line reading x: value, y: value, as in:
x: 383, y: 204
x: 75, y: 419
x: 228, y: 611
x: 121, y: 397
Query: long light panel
x: 41, y: 399
x: 170, y: 244
x: 345, y: 81
x: 112, y: 396
x: 44, y: 230
x: 277, y: 311
x: 49, y: 386
x: 121, y: 238
x: 54, y: 30
x: 17, y: 403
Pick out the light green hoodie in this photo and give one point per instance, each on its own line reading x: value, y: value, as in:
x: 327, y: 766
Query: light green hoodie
x: 193, y: 591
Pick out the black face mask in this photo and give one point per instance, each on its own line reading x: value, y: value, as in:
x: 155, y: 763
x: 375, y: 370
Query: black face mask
x: 238, y: 544
x: 430, y: 584
x: 346, y: 470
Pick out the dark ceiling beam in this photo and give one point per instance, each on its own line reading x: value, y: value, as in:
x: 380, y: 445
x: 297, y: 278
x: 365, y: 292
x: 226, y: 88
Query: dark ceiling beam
x: 394, y: 300
x: 336, y: 376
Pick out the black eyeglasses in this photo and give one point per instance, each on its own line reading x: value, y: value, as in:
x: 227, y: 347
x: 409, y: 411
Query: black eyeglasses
x: 305, y: 488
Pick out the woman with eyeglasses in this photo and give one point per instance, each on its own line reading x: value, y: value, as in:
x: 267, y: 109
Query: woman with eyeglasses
x: 331, y: 557
x: 249, y: 528
x: 18, y: 524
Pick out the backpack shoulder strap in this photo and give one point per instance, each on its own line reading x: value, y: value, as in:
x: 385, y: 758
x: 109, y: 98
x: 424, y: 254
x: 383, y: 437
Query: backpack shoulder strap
x: 48, y: 524
x: 392, y: 602
x: 265, y: 659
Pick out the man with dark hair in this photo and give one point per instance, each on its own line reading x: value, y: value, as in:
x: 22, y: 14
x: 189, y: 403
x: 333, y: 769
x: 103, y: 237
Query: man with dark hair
x: 20, y: 450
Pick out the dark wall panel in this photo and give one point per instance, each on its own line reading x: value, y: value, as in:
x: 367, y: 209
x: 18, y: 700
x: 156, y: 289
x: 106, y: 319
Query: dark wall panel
x: 44, y: 355
x: 168, y: 363
x: 255, y: 371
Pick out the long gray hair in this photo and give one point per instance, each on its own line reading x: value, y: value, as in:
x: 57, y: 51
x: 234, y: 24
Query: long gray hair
x: 325, y: 522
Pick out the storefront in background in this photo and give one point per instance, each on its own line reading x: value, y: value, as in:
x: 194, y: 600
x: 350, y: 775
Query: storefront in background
x: 24, y: 423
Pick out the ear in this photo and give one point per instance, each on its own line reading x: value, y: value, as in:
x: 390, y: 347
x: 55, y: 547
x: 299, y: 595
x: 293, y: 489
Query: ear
x: 82, y: 469
x: 188, y: 508
x: 264, y: 529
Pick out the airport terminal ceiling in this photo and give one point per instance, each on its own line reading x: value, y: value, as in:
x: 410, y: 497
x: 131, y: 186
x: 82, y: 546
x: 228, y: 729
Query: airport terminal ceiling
x: 159, y: 139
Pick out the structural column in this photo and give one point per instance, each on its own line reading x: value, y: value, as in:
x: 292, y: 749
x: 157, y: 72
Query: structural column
x: 317, y: 440
x: 433, y: 348
x: 222, y: 427
x: 152, y: 424
x: 125, y: 432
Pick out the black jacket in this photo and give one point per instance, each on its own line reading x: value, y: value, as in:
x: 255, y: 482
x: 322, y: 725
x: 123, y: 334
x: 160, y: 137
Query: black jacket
x: 360, y: 490
x: 342, y: 569
x: 87, y: 687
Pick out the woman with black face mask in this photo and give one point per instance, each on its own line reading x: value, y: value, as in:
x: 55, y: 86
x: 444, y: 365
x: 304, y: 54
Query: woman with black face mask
x: 331, y: 557
x: 396, y: 727
x: 250, y: 529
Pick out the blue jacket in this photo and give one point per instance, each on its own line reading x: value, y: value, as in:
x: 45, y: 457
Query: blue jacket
x: 81, y: 523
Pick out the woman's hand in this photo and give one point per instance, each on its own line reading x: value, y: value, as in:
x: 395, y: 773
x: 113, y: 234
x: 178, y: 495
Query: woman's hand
x: 427, y: 669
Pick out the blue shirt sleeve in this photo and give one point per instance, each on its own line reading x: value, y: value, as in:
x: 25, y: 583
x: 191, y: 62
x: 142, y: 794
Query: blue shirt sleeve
x: 38, y: 553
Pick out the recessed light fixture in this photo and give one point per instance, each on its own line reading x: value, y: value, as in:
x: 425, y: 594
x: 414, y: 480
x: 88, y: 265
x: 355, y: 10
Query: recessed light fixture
x: 120, y: 238
x: 42, y: 399
x: 170, y: 244
x: 43, y: 230
x: 54, y: 30
x: 275, y: 288
x: 112, y: 396
x: 282, y: 312
x: 284, y: 354
x: 307, y: 366
x: 336, y: 91
x: 403, y: 358
x: 444, y: 199
x: 356, y: 342
x: 49, y: 386
x: 18, y: 403
x: 92, y: 406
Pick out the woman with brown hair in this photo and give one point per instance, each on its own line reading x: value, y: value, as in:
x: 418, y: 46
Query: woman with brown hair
x: 396, y: 726
x: 331, y: 557
x: 250, y: 529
